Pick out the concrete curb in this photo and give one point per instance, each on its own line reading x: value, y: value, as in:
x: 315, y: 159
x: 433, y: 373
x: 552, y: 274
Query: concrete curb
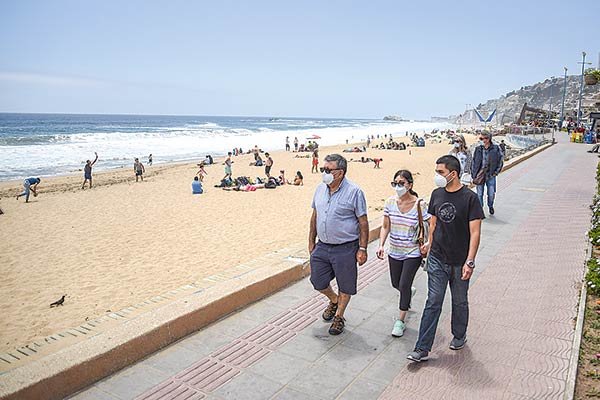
x: 520, y: 159
x: 574, y: 361
x: 77, y: 366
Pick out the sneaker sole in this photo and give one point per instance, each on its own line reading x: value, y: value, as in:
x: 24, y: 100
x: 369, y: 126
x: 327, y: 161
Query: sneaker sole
x: 419, y: 360
x: 396, y: 335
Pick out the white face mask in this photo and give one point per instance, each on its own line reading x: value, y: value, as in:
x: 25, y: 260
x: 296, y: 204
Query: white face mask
x: 440, y: 181
x: 401, y: 190
x: 457, y: 145
x: 480, y: 142
x: 327, y: 178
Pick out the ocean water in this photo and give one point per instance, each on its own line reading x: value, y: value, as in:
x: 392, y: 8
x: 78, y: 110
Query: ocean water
x: 56, y: 144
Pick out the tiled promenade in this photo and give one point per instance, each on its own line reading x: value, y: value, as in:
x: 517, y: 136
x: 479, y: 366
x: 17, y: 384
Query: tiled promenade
x: 523, y: 300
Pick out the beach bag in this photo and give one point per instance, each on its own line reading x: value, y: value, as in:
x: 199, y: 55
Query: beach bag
x: 466, y: 179
x: 421, y: 233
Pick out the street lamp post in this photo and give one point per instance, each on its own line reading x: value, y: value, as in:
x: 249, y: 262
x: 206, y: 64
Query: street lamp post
x: 562, y: 107
x: 550, y: 115
x: 583, y: 63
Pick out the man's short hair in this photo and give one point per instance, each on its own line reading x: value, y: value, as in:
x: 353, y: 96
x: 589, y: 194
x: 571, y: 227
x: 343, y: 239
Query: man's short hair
x: 339, y: 160
x: 450, y: 162
x: 487, y: 134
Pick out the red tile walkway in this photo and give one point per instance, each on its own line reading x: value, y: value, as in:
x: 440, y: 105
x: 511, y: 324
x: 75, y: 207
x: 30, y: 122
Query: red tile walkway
x: 522, y: 306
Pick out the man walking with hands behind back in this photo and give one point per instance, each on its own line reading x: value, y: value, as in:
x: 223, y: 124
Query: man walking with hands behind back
x: 339, y: 219
x: 454, y: 232
x: 488, y: 160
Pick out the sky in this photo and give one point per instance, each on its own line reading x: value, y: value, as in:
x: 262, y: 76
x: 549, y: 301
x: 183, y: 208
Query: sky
x: 350, y: 59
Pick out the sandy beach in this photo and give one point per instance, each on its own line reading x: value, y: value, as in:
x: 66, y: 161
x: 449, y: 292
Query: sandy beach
x: 123, y: 242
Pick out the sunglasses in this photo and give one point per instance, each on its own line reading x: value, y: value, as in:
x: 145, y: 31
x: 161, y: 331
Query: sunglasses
x: 394, y: 184
x: 328, y: 171
x: 483, y: 138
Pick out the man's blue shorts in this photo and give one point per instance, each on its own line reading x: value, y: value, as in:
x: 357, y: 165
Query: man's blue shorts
x: 338, y: 261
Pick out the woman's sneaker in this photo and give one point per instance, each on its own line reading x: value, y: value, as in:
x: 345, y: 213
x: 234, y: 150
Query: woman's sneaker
x: 399, y: 328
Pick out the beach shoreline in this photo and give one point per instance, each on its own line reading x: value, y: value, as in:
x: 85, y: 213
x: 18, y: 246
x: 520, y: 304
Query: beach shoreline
x: 122, y: 242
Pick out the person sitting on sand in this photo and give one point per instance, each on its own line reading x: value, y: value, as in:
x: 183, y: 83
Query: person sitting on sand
x: 298, y: 179
x: 201, y: 172
x: 87, y: 171
x: 139, y: 169
x: 208, y: 160
x: 258, y: 162
x: 30, y: 184
x: 197, y: 186
x: 281, y: 178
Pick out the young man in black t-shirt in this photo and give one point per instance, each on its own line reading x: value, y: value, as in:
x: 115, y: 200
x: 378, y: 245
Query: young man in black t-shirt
x: 454, y: 235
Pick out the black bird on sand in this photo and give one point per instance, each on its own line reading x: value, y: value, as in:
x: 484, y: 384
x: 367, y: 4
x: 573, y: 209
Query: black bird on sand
x: 58, y: 302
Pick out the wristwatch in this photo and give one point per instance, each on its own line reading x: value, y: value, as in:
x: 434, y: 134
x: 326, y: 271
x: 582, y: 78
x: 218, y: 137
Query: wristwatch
x: 470, y: 264
x: 363, y: 249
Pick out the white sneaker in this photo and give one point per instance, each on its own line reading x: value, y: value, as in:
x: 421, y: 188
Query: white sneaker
x: 399, y: 327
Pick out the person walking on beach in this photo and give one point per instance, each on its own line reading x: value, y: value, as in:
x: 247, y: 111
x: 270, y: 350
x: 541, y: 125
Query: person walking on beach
x: 87, y: 171
x: 315, y: 162
x: 461, y: 151
x: 339, y: 220
x: 150, y: 159
x: 406, y: 221
x: 29, y: 185
x: 287, y: 143
x: 296, y: 144
x: 227, y: 164
x: 454, y: 234
x: 139, y: 169
x: 268, y: 165
x: 487, y: 164
x: 201, y: 172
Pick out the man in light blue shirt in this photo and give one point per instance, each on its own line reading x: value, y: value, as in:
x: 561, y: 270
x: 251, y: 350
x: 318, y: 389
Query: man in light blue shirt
x: 339, y: 219
x: 196, y: 186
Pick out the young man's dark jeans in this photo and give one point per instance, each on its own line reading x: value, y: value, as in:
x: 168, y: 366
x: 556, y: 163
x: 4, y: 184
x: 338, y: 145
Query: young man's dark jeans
x: 439, y: 274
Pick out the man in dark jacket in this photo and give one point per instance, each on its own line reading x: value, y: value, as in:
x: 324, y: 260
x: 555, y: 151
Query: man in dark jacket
x: 487, y: 157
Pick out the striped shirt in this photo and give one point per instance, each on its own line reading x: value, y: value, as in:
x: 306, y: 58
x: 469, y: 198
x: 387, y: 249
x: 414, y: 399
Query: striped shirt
x: 403, y: 229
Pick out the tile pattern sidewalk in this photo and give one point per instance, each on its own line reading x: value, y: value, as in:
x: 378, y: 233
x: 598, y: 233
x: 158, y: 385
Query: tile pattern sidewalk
x: 522, y: 325
x: 523, y: 297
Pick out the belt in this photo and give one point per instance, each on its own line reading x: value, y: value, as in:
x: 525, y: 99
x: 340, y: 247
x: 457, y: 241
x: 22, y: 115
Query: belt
x: 338, y: 244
